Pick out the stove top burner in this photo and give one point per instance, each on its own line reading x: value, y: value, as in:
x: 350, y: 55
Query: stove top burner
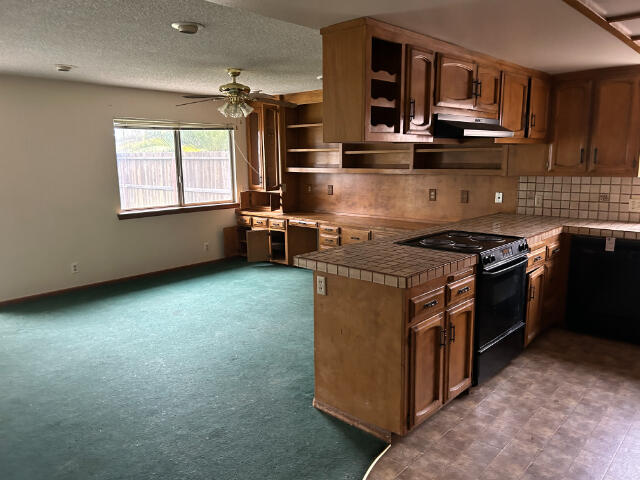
x: 492, y: 248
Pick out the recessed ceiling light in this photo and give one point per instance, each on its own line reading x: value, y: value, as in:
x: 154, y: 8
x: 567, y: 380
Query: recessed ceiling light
x: 187, y: 27
x: 61, y: 67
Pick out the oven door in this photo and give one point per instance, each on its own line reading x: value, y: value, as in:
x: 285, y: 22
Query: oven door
x: 500, y: 301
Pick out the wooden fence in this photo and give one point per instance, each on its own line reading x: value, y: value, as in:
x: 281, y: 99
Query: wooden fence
x: 150, y: 179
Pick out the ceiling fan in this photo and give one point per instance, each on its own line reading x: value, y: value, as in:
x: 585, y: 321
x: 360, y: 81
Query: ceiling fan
x: 236, y: 96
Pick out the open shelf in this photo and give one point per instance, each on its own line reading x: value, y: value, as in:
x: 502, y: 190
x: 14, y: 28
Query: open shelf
x: 488, y: 160
x: 383, y: 102
x: 308, y: 150
x: 384, y: 76
x: 376, y: 152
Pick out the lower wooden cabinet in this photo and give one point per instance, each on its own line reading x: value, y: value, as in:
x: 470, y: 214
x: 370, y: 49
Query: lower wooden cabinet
x: 459, y: 322
x: 441, y: 356
x: 427, y: 368
x: 535, y: 283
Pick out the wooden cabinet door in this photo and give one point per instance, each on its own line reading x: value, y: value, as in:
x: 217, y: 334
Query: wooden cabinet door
x: 271, y: 146
x: 427, y: 368
x: 459, y: 354
x: 455, y: 86
x: 488, y: 89
x: 538, y: 108
x: 513, y: 114
x: 419, y: 93
x: 535, y: 282
x: 254, y: 149
x: 571, y: 112
x: 258, y: 246
x: 614, y: 132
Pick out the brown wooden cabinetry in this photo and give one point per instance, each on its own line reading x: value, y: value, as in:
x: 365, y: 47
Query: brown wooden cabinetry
x: 488, y: 89
x: 427, y: 344
x: 535, y: 282
x: 263, y: 147
x: 539, y: 93
x: 459, y: 323
x: 515, y: 94
x: 456, y: 84
x: 615, y: 129
x: 420, y: 81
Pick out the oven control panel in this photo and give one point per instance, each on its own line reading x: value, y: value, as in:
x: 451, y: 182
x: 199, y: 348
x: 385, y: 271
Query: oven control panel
x: 504, y: 253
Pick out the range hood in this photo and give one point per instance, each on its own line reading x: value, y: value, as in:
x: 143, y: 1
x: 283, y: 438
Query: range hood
x: 459, y: 126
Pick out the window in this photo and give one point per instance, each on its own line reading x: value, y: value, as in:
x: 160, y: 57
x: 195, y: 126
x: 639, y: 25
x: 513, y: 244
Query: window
x: 172, y: 165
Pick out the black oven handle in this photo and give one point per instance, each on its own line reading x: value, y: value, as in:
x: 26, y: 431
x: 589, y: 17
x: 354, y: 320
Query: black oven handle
x: 506, y: 269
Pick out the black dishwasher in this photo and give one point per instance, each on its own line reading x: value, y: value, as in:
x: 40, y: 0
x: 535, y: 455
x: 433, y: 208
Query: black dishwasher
x: 603, y: 285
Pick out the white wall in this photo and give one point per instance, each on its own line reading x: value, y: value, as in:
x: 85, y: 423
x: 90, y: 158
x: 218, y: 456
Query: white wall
x: 59, y: 188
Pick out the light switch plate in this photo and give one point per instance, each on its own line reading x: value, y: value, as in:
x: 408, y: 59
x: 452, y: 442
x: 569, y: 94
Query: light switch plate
x: 538, y: 199
x: 329, y: 189
x: 498, y: 197
x: 464, y: 196
x: 433, y: 194
x: 634, y: 205
x: 321, y: 285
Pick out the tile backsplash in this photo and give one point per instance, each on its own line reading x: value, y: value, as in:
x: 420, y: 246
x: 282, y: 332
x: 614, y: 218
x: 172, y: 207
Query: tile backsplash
x: 595, y: 198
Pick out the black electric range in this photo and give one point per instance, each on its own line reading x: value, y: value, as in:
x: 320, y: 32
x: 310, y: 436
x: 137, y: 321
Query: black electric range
x: 500, y: 293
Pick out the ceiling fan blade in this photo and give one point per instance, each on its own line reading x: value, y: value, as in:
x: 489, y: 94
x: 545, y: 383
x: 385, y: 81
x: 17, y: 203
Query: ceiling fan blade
x: 203, y: 96
x: 264, y: 98
x: 197, y: 101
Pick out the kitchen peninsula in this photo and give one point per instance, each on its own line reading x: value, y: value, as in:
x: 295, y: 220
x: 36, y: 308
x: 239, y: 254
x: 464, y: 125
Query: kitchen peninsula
x: 380, y: 360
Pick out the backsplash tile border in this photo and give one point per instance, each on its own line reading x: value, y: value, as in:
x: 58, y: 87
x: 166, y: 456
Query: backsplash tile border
x: 579, y: 197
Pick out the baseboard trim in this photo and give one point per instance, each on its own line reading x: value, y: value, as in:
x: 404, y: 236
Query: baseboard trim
x: 51, y: 293
x: 378, y: 432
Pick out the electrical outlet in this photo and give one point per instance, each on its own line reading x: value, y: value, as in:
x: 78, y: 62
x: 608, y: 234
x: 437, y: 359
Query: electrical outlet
x: 634, y: 205
x: 75, y: 267
x: 464, y: 196
x: 329, y: 189
x: 433, y: 194
x: 538, y: 200
x: 321, y: 285
x: 307, y: 188
x: 205, y: 246
x: 604, y: 197
x: 498, y: 197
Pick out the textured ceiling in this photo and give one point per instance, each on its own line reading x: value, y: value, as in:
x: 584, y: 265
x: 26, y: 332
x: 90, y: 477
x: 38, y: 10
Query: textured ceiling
x: 131, y: 43
x: 544, y: 34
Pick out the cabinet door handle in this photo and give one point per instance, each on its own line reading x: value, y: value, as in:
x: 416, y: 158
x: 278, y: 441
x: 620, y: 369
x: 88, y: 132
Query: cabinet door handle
x: 443, y: 337
x: 452, y: 336
x: 479, y: 89
x: 595, y: 155
x: 555, y: 250
x: 412, y: 108
x: 582, y: 155
x: 532, y: 292
x: 432, y: 303
x: 538, y: 258
x: 464, y: 290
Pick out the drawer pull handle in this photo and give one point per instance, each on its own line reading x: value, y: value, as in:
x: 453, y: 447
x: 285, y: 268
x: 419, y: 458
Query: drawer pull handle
x: 432, y: 303
x: 555, y: 250
x: 443, y: 337
x: 355, y: 238
x: 453, y: 333
x: 538, y: 258
x: 464, y: 290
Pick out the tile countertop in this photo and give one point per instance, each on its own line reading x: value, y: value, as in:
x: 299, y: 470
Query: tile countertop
x: 383, y: 261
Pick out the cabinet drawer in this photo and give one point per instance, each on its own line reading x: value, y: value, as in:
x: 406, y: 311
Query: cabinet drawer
x: 329, y: 240
x: 426, y: 304
x: 553, y: 249
x: 275, y: 224
x: 537, y: 257
x: 354, y: 235
x: 244, y: 220
x: 303, y: 223
x: 461, y: 290
x: 260, y: 222
x: 330, y: 229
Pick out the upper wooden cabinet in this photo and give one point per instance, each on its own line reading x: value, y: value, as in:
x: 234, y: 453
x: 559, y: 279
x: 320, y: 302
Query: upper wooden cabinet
x: 515, y: 92
x: 539, y: 92
x: 571, y: 112
x: 263, y: 147
x: 596, y: 124
x: 614, y: 127
x: 420, y: 79
x: 456, y: 83
x: 382, y: 83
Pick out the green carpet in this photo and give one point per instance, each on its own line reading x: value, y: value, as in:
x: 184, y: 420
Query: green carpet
x: 205, y: 373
